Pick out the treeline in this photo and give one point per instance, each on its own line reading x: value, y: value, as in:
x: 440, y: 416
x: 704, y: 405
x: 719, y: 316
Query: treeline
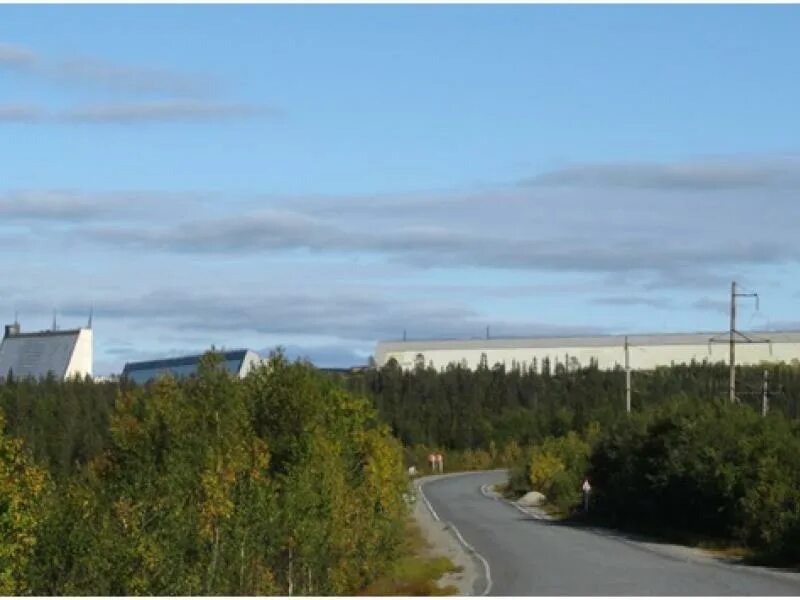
x: 281, y: 483
x: 64, y: 423
x: 460, y: 409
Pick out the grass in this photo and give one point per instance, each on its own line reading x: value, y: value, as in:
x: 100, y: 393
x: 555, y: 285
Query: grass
x: 725, y: 550
x: 414, y: 572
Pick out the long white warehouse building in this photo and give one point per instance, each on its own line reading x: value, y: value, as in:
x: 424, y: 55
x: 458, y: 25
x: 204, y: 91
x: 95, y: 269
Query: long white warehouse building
x: 645, y: 351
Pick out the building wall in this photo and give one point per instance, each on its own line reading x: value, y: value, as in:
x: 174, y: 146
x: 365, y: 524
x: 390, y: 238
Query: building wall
x: 607, y: 356
x: 81, y: 361
x: 251, y: 361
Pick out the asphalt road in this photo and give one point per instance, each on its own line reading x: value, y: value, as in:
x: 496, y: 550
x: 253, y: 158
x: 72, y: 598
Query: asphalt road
x: 530, y: 557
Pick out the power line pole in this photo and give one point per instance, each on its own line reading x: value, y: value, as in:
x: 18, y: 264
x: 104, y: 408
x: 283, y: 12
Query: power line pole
x: 765, y: 394
x: 732, y: 376
x: 733, y: 333
x: 627, y: 377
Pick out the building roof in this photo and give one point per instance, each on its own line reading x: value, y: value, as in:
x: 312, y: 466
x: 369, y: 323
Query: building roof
x: 233, y: 361
x: 659, y: 339
x: 38, y: 353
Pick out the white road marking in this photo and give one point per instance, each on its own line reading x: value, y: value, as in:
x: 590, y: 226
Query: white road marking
x: 525, y: 511
x: 485, y: 491
x: 427, y: 503
x: 461, y: 539
x: 478, y: 554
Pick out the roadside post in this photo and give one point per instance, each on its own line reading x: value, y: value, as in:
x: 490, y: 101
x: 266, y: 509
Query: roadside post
x: 587, y: 489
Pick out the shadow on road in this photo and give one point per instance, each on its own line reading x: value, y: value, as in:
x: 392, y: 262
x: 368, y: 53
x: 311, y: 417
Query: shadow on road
x: 654, y: 543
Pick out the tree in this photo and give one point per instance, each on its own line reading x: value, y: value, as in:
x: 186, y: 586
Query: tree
x: 23, y: 487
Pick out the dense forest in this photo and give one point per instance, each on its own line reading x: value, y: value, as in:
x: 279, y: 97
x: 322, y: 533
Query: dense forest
x: 281, y: 483
x: 461, y: 409
x: 291, y: 481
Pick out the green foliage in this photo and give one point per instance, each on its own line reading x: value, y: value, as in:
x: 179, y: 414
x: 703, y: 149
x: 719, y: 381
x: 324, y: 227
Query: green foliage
x: 709, y: 468
x: 458, y: 409
x: 465, y: 460
x: 278, y: 484
x: 557, y: 466
x: 23, y: 487
x: 64, y: 423
x: 414, y: 572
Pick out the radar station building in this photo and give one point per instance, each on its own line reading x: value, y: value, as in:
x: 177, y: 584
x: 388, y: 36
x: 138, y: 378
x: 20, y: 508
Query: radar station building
x: 236, y: 362
x: 607, y: 352
x: 61, y: 353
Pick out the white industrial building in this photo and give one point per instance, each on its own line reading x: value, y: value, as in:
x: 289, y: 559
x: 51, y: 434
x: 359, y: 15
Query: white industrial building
x: 645, y: 351
x: 63, y: 353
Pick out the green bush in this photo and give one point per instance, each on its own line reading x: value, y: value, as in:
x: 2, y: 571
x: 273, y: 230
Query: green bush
x: 708, y: 468
x: 280, y: 483
x: 558, y: 465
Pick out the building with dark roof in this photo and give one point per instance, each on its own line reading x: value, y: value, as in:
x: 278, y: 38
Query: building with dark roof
x: 64, y: 354
x: 236, y: 362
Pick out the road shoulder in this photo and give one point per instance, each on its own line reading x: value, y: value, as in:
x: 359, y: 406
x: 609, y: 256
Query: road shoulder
x: 444, y: 542
x: 679, y: 552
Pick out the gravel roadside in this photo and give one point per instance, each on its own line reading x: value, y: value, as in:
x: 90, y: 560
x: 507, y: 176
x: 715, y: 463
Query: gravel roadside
x: 444, y: 542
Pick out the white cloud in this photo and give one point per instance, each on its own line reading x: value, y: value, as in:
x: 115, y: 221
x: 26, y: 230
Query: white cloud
x: 683, y: 176
x: 171, y: 95
x: 20, y: 113
x: 142, y: 112
x: 15, y: 56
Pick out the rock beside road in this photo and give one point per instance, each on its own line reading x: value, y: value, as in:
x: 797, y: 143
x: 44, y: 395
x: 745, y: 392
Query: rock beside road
x: 532, y: 499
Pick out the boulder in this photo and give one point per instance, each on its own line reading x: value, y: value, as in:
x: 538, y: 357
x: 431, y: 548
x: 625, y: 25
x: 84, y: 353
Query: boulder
x: 532, y: 499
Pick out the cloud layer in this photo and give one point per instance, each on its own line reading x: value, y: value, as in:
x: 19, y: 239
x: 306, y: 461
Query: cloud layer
x: 152, y: 94
x: 344, y: 315
x: 345, y: 272
x: 707, y: 175
x: 673, y: 238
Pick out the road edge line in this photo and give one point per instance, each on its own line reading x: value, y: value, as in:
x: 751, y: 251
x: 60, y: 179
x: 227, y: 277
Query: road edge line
x: 460, y: 538
x: 476, y: 553
x: 426, y: 501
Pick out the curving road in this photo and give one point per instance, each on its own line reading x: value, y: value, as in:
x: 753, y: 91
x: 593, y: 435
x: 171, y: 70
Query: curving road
x: 530, y: 557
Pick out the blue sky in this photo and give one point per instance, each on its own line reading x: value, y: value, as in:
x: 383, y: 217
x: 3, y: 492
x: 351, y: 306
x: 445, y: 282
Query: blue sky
x: 322, y: 177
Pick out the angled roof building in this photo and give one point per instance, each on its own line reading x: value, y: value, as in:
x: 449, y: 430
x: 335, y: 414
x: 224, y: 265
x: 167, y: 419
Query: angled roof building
x: 236, y: 362
x: 64, y: 354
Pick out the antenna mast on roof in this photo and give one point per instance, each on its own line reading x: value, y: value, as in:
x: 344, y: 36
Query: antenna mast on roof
x: 91, y: 310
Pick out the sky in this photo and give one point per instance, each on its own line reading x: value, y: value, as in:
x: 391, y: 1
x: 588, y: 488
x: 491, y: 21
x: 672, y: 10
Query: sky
x: 323, y: 177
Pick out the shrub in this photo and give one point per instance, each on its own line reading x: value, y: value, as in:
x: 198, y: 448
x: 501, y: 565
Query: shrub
x: 558, y: 465
x: 707, y: 468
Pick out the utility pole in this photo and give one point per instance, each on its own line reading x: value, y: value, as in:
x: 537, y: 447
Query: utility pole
x: 627, y: 377
x: 765, y: 394
x: 733, y: 333
x: 732, y: 376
